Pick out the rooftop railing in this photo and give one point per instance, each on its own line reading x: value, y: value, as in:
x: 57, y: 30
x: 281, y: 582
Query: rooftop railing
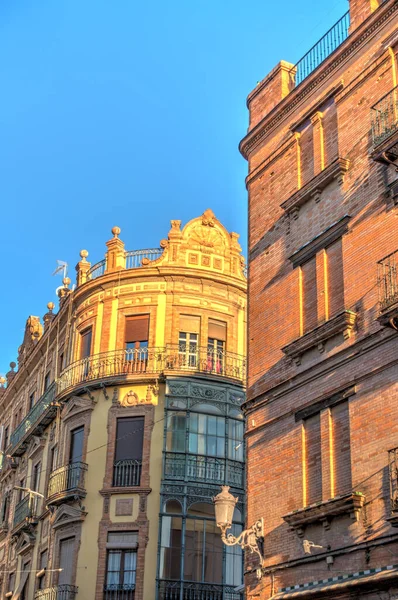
x: 135, y: 259
x: 322, y: 49
x: 385, y: 117
x: 387, y: 278
x: 34, y: 416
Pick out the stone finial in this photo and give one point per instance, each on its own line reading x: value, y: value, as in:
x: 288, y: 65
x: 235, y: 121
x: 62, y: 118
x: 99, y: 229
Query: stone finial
x: 116, y: 231
x: 208, y: 218
x: 11, y: 374
x: 66, y: 281
x: 49, y: 316
x: 116, y: 255
x: 50, y: 306
x: 13, y: 365
x: 84, y: 254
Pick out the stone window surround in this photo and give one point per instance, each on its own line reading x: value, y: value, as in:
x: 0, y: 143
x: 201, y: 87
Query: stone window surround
x: 115, y: 412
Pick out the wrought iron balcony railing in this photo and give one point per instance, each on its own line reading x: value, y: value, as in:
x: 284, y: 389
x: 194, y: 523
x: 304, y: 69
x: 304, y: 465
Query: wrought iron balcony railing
x: 393, y: 468
x: 25, y: 511
x: 67, y: 481
x: 385, y: 117
x: 204, y: 360
x: 192, y: 467
x: 322, y: 49
x: 140, y: 361
x: 111, y: 364
x: 97, y: 270
x: 387, y: 278
x: 33, y: 419
x: 119, y: 592
x: 171, y: 590
x: 57, y: 592
x: 127, y: 473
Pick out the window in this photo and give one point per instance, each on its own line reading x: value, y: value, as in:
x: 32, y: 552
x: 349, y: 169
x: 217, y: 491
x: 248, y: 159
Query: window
x: 121, y: 565
x: 235, y: 440
x: 42, y: 567
x: 176, y: 432
x: 128, y: 451
x: 321, y: 276
x: 6, y: 438
x: 53, y: 459
x: 136, y: 332
x: 207, y: 435
x: 36, y: 476
x: 85, y: 342
x: 4, y: 509
x: 11, y: 582
x: 171, y: 541
x: 61, y: 362
x: 66, y: 561
x: 188, y: 341
x: 203, y: 546
x: 24, y: 581
x: 76, y: 445
x: 46, y: 384
x: 31, y: 400
x: 217, y: 336
x: 332, y: 448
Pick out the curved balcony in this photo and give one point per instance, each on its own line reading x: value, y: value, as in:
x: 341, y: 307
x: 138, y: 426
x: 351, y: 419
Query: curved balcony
x: 25, y: 513
x: 57, y: 592
x: 66, y: 482
x: 209, y: 469
x: 134, y: 363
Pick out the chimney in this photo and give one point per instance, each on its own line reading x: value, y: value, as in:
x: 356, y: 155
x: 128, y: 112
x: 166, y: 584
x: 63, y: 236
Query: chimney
x: 360, y: 10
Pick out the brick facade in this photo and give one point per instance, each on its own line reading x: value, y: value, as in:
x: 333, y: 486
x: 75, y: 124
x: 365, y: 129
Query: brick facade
x: 322, y: 383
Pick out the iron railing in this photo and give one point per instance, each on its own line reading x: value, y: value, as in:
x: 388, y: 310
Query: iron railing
x: 119, y: 592
x: 175, y: 590
x: 33, y: 415
x: 142, y: 258
x: 134, y: 260
x: 322, y: 49
x: 393, y: 469
x: 127, y: 473
x: 204, y: 360
x: 149, y: 361
x: 111, y: 364
x: 57, y: 592
x: 25, y: 510
x: 387, y: 279
x: 192, y: 467
x: 97, y: 270
x: 385, y: 117
x: 69, y: 478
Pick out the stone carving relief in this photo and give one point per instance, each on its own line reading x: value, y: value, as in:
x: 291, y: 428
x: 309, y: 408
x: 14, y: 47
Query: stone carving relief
x: 132, y: 398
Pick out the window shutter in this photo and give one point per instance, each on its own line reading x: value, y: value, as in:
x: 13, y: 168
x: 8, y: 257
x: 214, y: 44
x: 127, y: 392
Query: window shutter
x: 217, y: 330
x: 129, y: 438
x: 137, y: 328
x: 85, y: 347
x: 189, y: 324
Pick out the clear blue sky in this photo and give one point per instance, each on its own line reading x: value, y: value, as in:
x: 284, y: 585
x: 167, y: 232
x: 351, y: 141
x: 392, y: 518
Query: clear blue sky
x: 126, y: 113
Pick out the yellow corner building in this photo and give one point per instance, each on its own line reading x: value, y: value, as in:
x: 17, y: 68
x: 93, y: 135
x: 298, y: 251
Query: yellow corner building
x: 121, y: 423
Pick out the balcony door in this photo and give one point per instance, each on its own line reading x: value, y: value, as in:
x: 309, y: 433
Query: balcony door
x: 75, y: 457
x: 66, y: 556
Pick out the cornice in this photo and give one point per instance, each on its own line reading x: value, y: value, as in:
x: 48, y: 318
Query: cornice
x: 320, y: 74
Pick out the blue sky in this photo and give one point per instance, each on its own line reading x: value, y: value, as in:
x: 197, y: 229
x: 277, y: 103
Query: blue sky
x: 126, y: 113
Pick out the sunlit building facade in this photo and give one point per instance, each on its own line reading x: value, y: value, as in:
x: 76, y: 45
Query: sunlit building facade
x: 122, y: 421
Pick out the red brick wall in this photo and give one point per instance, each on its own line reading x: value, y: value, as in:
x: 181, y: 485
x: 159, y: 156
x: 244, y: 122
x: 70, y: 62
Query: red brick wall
x: 346, y: 446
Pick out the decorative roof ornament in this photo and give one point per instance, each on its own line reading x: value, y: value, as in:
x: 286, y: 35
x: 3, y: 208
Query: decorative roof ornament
x: 208, y: 218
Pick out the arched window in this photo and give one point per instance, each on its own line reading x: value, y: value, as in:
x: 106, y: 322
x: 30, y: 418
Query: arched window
x: 173, y: 507
x: 171, y: 538
x: 203, y: 545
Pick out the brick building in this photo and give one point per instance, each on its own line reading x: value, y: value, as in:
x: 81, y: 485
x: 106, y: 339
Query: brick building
x: 322, y: 401
x: 121, y: 423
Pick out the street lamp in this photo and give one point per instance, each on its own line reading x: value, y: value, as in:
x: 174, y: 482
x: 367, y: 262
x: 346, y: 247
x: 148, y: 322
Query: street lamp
x: 252, y: 538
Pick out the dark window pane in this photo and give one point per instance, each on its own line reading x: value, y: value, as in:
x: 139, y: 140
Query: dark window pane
x: 129, y: 438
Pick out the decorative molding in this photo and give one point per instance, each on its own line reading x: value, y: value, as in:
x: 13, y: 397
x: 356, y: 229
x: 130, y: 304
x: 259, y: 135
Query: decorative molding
x: 326, y: 402
x: 75, y: 406
x: 65, y: 515
x: 289, y: 103
x: 313, y: 189
x: 178, y: 389
x: 25, y: 542
x: 207, y: 393
x: 323, y: 512
x: 324, y: 239
x: 341, y: 323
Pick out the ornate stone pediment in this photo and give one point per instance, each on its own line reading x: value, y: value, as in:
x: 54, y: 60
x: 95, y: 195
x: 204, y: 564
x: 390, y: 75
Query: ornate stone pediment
x: 25, y: 542
x: 76, y: 405
x: 33, y: 333
x: 35, y: 445
x: 132, y: 398
x: 65, y: 515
